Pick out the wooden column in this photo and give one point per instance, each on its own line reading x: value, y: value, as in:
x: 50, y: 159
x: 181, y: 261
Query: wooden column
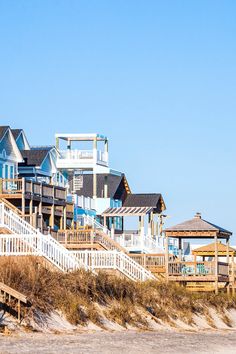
x: 139, y: 225
x: 31, y: 211
x: 167, y: 257
x: 216, y: 264
x: 104, y: 221
x: 23, y: 197
x: 112, y: 228
x: 51, y: 218
x: 227, y: 260
x: 94, y: 173
x: 232, y: 274
x: 64, y: 217
x: 195, y: 264
x: 180, y: 248
x: 149, y: 224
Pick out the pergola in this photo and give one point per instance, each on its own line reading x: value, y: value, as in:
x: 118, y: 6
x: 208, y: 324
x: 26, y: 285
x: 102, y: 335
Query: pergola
x: 138, y: 205
x: 197, y: 228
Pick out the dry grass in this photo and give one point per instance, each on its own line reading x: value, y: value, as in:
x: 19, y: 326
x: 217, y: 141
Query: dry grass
x: 83, y: 296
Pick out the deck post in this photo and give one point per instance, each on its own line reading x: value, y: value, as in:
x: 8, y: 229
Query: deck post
x: 94, y: 173
x: 167, y: 257
x: 31, y: 209
x: 112, y: 228
x: 139, y: 225
x: 104, y: 221
x: 64, y: 217
x: 216, y: 264
x: 232, y: 274
x: 180, y: 249
x: 142, y: 226
x: 149, y: 224
x: 23, y: 197
x: 51, y: 219
x: 227, y: 260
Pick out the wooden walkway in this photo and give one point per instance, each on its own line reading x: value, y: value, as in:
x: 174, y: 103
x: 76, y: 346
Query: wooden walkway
x: 7, y: 294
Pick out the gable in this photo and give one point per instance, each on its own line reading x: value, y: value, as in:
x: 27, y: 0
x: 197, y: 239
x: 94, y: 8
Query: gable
x: 47, y: 164
x: 8, y: 148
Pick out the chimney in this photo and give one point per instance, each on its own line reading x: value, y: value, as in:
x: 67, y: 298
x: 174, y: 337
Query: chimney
x: 198, y: 216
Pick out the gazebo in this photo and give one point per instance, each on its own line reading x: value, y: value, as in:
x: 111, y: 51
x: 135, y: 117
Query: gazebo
x: 195, y: 271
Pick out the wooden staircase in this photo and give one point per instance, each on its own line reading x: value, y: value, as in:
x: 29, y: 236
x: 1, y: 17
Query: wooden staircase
x: 87, y: 238
x: 12, y: 298
x: 25, y: 240
x: 11, y: 206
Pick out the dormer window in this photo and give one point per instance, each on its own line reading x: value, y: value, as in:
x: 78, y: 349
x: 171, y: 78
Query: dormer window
x: 4, y: 154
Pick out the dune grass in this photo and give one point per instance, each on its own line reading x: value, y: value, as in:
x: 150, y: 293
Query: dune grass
x: 82, y: 296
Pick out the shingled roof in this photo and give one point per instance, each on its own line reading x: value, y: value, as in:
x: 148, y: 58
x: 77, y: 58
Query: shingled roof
x: 115, y: 186
x: 34, y: 157
x: 197, y: 224
x: 3, y: 130
x: 209, y: 249
x: 16, y: 132
x: 142, y: 200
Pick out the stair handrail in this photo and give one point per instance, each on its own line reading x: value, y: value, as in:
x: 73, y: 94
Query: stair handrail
x: 45, y: 245
x: 113, y: 260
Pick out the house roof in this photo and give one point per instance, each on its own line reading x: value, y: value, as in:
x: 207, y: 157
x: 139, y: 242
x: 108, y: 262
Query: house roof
x: 113, y: 184
x: 3, y: 130
x: 16, y: 132
x: 210, y: 249
x: 199, y: 226
x: 34, y: 157
x: 150, y: 200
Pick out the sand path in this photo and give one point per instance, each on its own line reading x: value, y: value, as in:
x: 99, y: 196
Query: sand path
x: 120, y: 342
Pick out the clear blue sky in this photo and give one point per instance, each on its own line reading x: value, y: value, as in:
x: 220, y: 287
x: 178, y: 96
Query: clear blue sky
x: 157, y: 77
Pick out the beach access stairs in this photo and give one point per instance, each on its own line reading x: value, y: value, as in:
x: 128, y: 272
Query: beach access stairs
x: 24, y: 240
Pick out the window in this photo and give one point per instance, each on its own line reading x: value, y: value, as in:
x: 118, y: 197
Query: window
x: 6, y: 171
x: 1, y: 167
x: 11, y: 171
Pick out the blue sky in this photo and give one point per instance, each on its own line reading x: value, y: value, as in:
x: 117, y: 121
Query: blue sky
x: 157, y: 77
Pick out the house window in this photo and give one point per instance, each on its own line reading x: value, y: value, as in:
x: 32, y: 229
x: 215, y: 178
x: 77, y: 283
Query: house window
x: 11, y: 171
x: 6, y: 171
x: 1, y: 167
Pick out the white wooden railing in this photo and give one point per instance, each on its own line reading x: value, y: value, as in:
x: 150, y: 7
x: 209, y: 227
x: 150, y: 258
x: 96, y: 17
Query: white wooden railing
x: 113, y: 260
x: 90, y: 221
x: 26, y: 240
x: 138, y: 242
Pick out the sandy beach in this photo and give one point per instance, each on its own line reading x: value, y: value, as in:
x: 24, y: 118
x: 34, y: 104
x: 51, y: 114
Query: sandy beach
x: 121, y: 342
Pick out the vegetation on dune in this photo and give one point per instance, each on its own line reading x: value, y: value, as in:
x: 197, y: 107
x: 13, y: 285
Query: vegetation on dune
x: 83, y: 296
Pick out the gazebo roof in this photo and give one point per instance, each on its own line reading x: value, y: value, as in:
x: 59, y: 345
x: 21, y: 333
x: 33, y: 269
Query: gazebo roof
x: 197, y: 227
x: 209, y: 250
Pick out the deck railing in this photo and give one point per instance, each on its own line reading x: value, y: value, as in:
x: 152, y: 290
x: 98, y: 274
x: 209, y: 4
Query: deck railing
x: 25, y: 240
x: 181, y: 268
x: 83, y: 156
x: 13, y: 186
x: 10, y: 186
x: 82, y: 236
x: 138, y: 242
x: 149, y: 260
x: 113, y: 260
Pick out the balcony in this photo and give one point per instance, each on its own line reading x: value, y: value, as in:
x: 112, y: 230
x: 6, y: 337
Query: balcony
x: 82, y: 159
x: 15, y: 188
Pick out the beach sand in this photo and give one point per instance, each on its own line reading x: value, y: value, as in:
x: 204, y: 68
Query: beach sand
x: 121, y: 342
